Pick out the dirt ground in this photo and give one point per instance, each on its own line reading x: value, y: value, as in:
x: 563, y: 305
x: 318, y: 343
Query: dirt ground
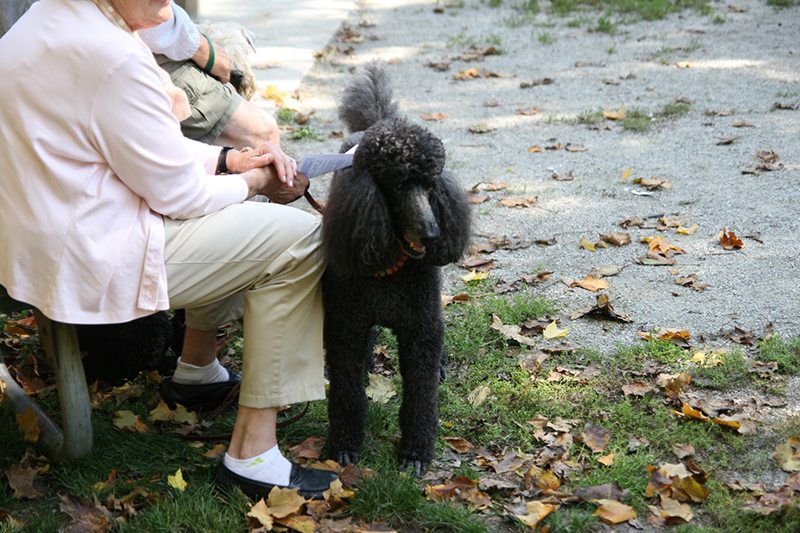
x: 733, y: 73
x: 716, y: 98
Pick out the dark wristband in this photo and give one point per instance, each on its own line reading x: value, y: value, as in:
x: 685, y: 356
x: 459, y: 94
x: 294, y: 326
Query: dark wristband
x: 222, y: 162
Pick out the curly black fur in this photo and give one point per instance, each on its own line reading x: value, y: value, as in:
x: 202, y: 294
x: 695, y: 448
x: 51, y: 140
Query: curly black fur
x: 395, y: 201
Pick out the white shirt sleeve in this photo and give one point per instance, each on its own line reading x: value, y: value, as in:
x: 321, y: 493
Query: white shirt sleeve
x: 178, y: 38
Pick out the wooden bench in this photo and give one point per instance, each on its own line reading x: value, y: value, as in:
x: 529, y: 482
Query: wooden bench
x: 73, y: 439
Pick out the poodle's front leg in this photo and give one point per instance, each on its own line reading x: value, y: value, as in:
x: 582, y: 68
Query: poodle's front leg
x: 420, y: 354
x: 346, y: 349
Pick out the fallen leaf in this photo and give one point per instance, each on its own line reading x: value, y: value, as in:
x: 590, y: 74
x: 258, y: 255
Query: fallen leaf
x: 433, y: 116
x: 525, y: 201
x: 475, y: 276
x: 479, y: 395
x: 380, y: 389
x: 216, y: 452
x: 607, y: 460
x: 535, y: 149
x: 311, y: 448
x: 617, y: 239
x: 729, y: 140
x: 552, y: 332
x: 459, y: 444
x: 614, y: 114
x: 787, y: 454
x: 511, y: 332
x: 180, y: 415
x: 683, y: 449
x: 129, y: 421
x: 593, y: 284
x: 729, y: 241
x: 86, y: 515
x: 537, y: 511
x: 586, y: 244
x: 529, y: 111
x: 28, y: 424
x: 447, y: 491
x: 626, y: 174
x: 596, y: 437
x: 279, y: 97
x: 614, y: 512
x: 176, y: 481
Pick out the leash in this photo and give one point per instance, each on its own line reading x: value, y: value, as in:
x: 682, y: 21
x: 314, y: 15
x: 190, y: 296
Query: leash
x: 316, y: 205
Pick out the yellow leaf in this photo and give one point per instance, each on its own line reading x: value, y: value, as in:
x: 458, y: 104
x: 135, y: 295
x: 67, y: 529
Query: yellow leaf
x: 129, y: 421
x: 591, y: 283
x: 28, y: 424
x: 614, y: 512
x: 475, y: 276
x: 279, y: 97
x: 176, y: 481
x: 615, y: 115
x: 180, y: 415
x: 607, y: 460
x: 626, y: 174
x: 261, y: 514
x: 537, y: 511
x: 552, y: 331
x: 535, y: 149
x: 433, y: 116
x: 686, y: 231
x: 283, y: 502
x: 586, y: 244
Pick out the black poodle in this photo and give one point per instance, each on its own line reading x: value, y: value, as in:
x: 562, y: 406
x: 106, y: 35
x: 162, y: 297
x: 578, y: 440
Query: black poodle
x: 391, y: 221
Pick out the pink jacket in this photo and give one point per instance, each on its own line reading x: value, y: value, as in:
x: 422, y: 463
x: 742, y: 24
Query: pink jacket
x: 92, y: 159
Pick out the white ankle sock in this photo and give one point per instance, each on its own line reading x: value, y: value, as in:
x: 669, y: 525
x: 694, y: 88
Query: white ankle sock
x: 187, y: 374
x: 269, y: 467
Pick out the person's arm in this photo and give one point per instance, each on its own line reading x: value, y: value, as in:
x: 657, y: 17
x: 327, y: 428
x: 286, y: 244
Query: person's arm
x: 137, y: 136
x: 177, y: 38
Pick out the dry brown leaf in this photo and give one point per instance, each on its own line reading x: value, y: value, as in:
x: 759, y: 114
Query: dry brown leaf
x: 433, y: 116
x: 459, y: 444
x: 787, y: 454
x: 596, y: 437
x: 311, y: 448
x: 617, y: 239
x: 728, y: 240
x: 525, y: 201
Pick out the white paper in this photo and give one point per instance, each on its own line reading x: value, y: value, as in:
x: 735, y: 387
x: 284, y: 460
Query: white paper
x: 313, y: 165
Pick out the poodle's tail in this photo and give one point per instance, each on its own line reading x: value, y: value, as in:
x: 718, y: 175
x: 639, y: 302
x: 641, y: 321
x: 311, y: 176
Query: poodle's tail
x: 368, y: 98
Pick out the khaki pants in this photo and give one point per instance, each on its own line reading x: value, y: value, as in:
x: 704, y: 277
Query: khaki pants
x: 269, y: 255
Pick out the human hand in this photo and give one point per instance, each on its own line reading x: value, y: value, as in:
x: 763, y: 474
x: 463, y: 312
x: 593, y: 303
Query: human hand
x: 280, y: 193
x: 247, y: 159
x: 285, y: 166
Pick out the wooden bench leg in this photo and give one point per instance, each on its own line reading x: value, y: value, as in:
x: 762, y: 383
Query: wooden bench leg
x: 61, y: 344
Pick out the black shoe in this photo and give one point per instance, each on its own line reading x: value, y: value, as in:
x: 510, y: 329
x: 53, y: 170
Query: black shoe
x: 311, y: 482
x: 197, y: 397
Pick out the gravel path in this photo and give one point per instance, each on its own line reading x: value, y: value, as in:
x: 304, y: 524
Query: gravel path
x: 737, y: 66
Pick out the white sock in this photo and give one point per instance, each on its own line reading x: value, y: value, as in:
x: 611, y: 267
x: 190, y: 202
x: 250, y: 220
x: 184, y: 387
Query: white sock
x: 269, y: 467
x: 187, y: 374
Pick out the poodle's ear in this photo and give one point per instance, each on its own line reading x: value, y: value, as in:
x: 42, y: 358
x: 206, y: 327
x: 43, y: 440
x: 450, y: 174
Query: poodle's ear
x: 356, y: 232
x: 453, y: 215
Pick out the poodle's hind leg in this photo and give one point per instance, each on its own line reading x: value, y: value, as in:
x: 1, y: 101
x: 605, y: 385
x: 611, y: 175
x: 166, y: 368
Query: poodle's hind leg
x: 420, y: 353
x: 346, y: 349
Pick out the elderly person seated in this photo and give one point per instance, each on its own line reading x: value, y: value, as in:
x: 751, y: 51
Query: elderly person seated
x: 124, y: 217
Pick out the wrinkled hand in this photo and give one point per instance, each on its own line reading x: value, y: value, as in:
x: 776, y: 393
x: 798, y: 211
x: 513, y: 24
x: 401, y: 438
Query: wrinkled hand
x: 247, y: 159
x: 285, y: 166
x: 281, y: 193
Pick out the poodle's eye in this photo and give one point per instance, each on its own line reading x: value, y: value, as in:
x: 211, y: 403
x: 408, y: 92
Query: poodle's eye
x: 398, y: 187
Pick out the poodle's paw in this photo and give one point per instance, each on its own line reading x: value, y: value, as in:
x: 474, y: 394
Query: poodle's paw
x: 346, y: 458
x: 442, y: 373
x: 418, y: 467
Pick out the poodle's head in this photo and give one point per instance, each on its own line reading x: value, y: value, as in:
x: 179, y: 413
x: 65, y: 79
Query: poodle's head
x: 395, y: 200
x: 406, y: 163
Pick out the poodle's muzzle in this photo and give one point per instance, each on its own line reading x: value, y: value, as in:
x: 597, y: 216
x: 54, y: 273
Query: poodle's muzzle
x: 420, y: 227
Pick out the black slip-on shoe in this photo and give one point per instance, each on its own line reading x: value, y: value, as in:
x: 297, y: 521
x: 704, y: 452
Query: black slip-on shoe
x: 310, y: 482
x: 197, y: 397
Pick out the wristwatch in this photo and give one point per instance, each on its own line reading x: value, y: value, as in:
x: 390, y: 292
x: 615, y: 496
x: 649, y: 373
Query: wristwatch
x: 222, y: 162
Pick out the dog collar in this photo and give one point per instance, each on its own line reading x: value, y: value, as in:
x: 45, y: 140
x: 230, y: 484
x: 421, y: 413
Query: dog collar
x: 396, y: 267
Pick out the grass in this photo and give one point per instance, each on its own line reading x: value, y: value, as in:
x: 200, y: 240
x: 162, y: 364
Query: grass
x: 479, y: 356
